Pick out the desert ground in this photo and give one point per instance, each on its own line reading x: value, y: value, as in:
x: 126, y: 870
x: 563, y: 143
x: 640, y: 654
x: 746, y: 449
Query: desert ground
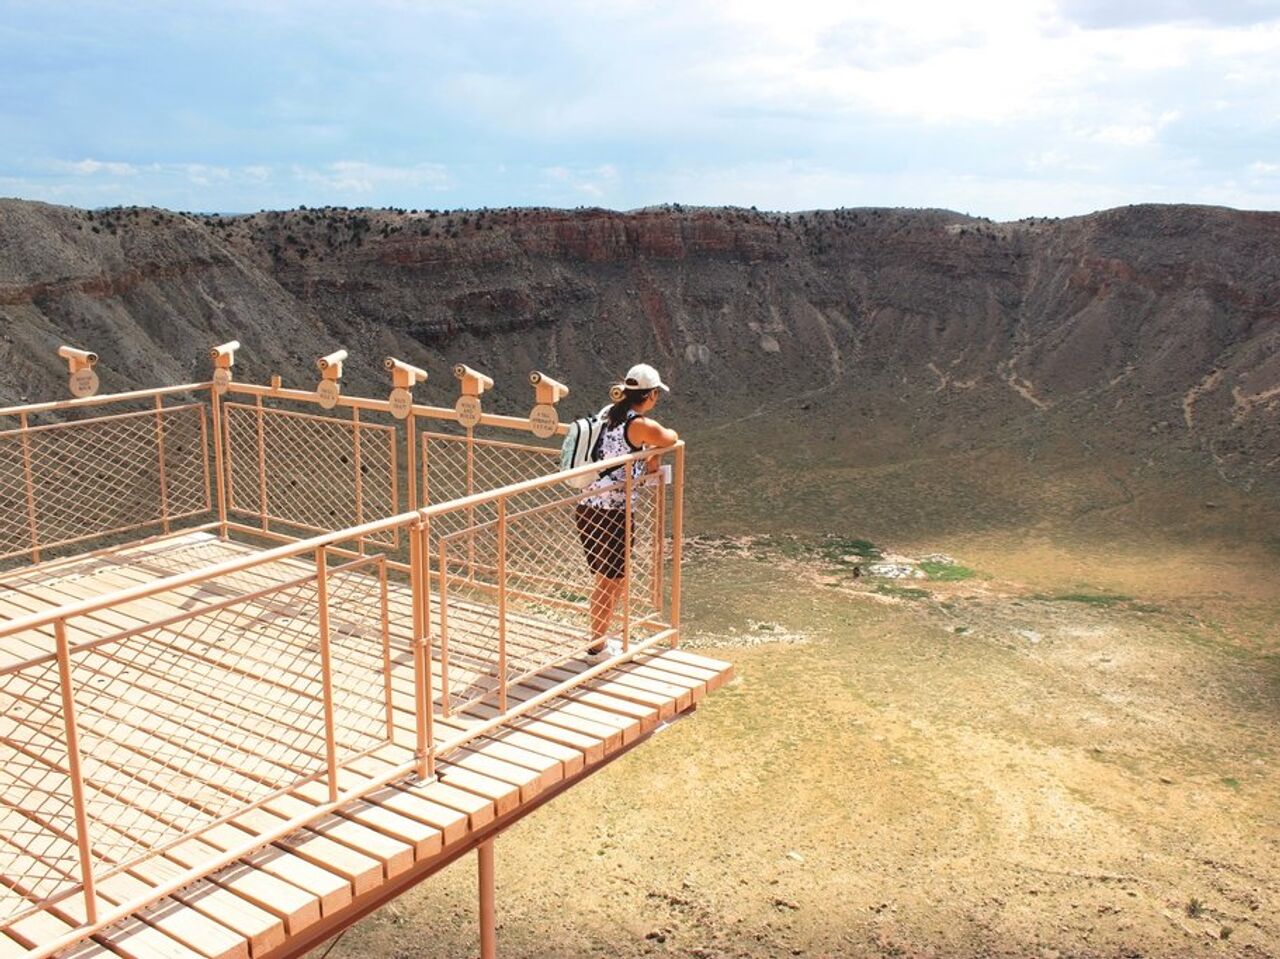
x: 1063, y: 741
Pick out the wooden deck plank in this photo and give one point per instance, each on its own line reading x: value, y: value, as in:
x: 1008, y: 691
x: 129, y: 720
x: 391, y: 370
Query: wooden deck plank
x: 451, y: 823
x: 175, y: 921
x: 478, y: 811
x: 721, y: 672
x: 361, y: 872
x: 296, y: 907
x: 423, y: 840
x: 132, y: 937
x: 332, y: 889
x: 393, y: 856
x: 262, y: 929
x: 193, y: 929
x: 10, y: 948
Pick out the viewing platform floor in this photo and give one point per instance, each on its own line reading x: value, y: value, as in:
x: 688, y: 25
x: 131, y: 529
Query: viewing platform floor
x: 242, y: 719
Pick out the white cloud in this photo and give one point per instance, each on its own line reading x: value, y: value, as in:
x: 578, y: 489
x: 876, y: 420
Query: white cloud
x: 89, y: 167
x: 1131, y: 134
x: 347, y: 177
x: 595, y: 182
x: 991, y: 106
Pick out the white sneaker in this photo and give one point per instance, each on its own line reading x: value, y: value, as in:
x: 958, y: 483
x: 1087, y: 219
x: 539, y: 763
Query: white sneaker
x: 612, y: 647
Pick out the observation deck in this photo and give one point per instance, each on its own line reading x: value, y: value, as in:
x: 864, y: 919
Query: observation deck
x: 270, y: 657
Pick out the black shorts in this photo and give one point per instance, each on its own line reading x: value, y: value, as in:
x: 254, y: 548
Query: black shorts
x: 603, y: 533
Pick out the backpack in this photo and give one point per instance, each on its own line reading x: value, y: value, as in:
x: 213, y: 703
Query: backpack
x: 581, y: 446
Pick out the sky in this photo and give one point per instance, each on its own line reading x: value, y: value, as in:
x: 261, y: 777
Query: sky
x: 999, y: 108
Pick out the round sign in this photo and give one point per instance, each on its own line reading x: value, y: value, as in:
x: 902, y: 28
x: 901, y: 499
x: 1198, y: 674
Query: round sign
x: 83, y: 382
x: 401, y: 402
x: 468, y: 410
x: 327, y: 392
x: 543, y: 420
x: 221, y: 379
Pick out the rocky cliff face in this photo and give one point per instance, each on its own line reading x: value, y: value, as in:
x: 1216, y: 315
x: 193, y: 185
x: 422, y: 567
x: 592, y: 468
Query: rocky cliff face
x: 1152, y: 333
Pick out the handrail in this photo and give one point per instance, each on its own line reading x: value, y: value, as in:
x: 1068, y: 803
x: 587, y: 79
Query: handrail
x: 103, y: 399
x: 142, y: 590
x: 381, y: 406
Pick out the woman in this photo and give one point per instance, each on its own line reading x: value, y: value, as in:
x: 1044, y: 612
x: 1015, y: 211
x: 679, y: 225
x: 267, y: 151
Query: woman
x: 601, y: 517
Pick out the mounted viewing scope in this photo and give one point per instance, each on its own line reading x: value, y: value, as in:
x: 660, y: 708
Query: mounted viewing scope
x: 404, y: 375
x: 331, y: 365
x: 328, y: 389
x: 83, y: 381
x: 77, y: 359
x: 474, y: 383
x: 224, y: 356
x: 543, y: 419
x: 547, y: 390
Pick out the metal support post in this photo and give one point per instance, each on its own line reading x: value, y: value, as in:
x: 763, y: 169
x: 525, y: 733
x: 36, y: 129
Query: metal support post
x: 326, y: 673
x: 488, y: 919
x: 677, y: 541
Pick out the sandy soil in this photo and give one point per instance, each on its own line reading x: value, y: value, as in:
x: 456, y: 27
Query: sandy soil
x: 1073, y: 753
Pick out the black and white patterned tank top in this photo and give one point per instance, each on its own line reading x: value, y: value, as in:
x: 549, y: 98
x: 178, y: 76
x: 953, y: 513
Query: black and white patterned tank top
x: 614, y: 442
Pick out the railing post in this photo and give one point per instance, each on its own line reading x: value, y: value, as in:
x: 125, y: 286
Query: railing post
x: 24, y: 425
x: 326, y: 672
x: 73, y: 770
x: 471, y: 511
x: 427, y: 730
x: 677, y: 540
x: 659, y: 537
x: 487, y: 911
x: 262, y: 465
x: 164, y: 485
x: 419, y: 586
x: 359, y: 485
x: 628, y: 487
x: 204, y: 459
x: 502, y: 604
x: 411, y: 445
x: 219, y: 464
x: 386, y: 647
x: 444, y: 628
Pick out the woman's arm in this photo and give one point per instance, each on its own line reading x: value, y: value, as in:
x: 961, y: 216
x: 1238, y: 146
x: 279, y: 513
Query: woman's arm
x: 646, y: 432
x: 652, y: 435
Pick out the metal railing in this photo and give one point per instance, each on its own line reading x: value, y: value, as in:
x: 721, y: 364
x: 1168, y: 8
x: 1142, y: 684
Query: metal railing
x: 136, y: 720
x: 78, y: 478
x: 306, y: 471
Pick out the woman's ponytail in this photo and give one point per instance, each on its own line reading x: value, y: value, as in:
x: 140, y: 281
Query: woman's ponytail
x: 631, y: 398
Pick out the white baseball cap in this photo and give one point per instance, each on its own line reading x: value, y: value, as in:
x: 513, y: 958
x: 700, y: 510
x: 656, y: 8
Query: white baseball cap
x: 642, y: 376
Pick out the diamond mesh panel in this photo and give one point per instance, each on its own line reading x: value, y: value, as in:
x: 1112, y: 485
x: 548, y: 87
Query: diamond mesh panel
x: 80, y: 479
x: 547, y: 581
x: 183, y: 723
x: 447, y: 474
x: 37, y: 859
x: 318, y: 473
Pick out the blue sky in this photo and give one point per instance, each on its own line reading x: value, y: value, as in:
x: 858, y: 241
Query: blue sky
x: 1001, y: 109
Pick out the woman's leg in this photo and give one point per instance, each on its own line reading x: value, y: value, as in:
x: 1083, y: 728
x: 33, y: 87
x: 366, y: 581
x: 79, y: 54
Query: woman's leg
x: 603, y: 536
x: 604, y: 600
